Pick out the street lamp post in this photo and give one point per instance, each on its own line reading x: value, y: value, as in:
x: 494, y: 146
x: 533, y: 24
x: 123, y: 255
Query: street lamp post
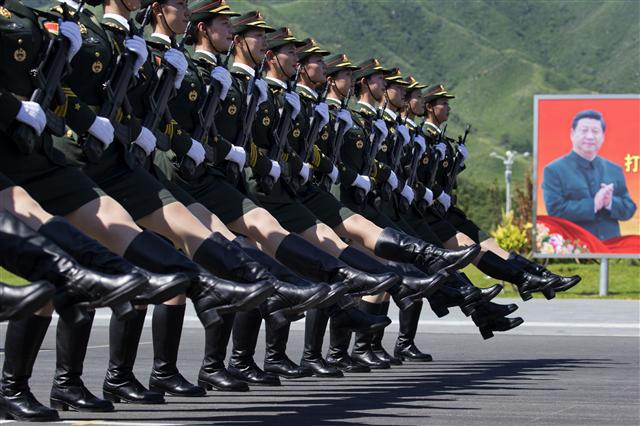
x: 508, y: 160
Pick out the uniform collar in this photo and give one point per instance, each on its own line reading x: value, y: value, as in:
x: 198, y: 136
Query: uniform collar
x: 392, y: 115
x: 276, y: 81
x: 366, y: 105
x: 432, y: 127
x: 161, y: 38
x: 72, y: 4
x: 309, y: 91
x: 582, y: 162
x: 210, y: 56
x: 246, y: 68
x: 411, y: 123
x: 118, y: 18
x: 333, y: 101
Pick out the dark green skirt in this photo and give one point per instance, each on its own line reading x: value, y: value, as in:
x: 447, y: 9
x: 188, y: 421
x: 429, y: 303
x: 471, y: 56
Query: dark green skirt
x: 326, y: 207
x: 462, y: 223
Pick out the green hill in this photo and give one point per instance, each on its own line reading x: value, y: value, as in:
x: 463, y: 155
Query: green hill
x: 494, y: 55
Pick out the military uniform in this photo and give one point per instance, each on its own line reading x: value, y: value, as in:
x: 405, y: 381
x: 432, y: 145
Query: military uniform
x: 45, y: 173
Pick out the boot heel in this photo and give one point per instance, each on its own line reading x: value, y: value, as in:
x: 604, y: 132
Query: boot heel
x: 110, y: 396
x: 526, y: 295
x: 58, y: 405
x: 277, y: 320
x: 486, y: 333
x: 210, y: 318
x: 204, y: 385
x: 549, y: 293
x: 468, y: 309
x: 440, y: 312
x: 124, y: 311
x: 406, y: 303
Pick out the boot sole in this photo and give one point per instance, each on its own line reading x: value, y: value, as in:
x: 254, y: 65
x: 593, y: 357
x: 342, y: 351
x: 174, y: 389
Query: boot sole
x: 380, y: 288
x: 29, y: 304
x: 59, y: 405
x: 548, y: 291
x: 487, y: 333
x: 210, y: 386
x: 567, y: 286
x: 248, y: 303
x: 166, y: 292
x: 332, y: 296
x: 109, y: 396
x: 6, y: 415
x: 463, y: 261
x: 282, y: 317
x: 164, y: 392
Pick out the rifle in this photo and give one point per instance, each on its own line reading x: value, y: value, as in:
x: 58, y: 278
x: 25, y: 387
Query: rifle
x: 280, y: 135
x: 157, y: 109
x: 46, y: 78
x: 376, y: 140
x: 248, y: 115
x: 403, y: 204
x: 310, y: 138
x: 206, y: 122
x: 396, y: 155
x: 335, y: 145
x: 452, y: 176
x: 115, y: 91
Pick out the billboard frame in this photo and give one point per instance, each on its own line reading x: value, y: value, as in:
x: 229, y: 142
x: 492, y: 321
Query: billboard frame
x: 536, y: 254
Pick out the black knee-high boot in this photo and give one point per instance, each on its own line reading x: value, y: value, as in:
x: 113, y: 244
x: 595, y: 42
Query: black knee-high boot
x: 68, y: 391
x: 242, y: 366
x: 21, y: 301
x: 495, y: 266
x: 276, y: 360
x: 406, y: 349
x: 338, y: 352
x: 120, y: 384
x: 362, y: 352
x: 314, y: 329
x: 376, y: 340
x: 22, y: 344
x: 167, y: 330
x: 564, y: 283
x: 213, y: 373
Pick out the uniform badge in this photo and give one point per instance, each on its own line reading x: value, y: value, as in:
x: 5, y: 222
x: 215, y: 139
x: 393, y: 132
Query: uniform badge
x: 384, y: 148
x: 4, y: 12
x: 425, y: 160
x: 193, y: 95
x: 266, y: 121
x: 445, y: 164
x: 83, y: 29
x: 20, y: 54
x: 359, y: 144
x: 392, y: 130
x: 232, y: 110
x: 296, y: 132
x: 96, y: 67
x: 325, y: 136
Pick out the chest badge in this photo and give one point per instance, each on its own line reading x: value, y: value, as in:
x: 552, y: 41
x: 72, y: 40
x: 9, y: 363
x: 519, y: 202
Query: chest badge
x: 425, y: 160
x: 359, y: 144
x: 384, y: 148
x: 266, y: 121
x: 193, y: 95
x: 445, y: 164
x: 96, y: 67
x: 296, y: 133
x: 20, y: 54
x: 83, y: 29
x: 232, y: 110
x: 4, y: 12
x: 325, y: 136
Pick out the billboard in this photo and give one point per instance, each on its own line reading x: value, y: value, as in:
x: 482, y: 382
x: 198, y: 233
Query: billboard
x: 586, y: 176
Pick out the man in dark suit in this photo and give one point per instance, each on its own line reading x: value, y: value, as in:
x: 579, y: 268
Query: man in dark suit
x: 584, y: 188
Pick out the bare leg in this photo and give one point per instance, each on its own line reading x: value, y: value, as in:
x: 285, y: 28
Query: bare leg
x: 360, y: 230
x: 261, y: 227
x: 492, y: 245
x: 210, y: 220
x: 18, y: 202
x: 324, y: 238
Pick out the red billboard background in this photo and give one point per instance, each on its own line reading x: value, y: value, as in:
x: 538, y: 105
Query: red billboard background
x: 621, y: 146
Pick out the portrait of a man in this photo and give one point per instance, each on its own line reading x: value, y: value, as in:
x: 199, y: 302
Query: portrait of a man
x: 585, y: 188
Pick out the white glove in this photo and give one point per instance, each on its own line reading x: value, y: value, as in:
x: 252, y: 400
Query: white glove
x: 442, y: 149
x: 333, y: 175
x: 362, y: 182
x: 403, y: 132
x: 304, y: 173
x: 32, y: 115
x: 237, y: 155
x: 137, y: 45
x: 382, y: 127
x: 393, y: 180
x: 428, y: 196
x: 262, y: 90
x: 419, y: 139
x: 275, y: 170
x: 71, y: 31
x: 196, y: 152
x: 103, y: 130
x: 176, y: 59
x: 323, y: 110
x: 345, y: 116
x: 222, y: 76
x: 293, y: 99
x: 407, y: 193
x: 146, y: 140
x: 462, y: 149
x: 445, y: 200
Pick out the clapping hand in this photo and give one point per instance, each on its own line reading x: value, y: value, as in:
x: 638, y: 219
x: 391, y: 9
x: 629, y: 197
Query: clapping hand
x: 604, y: 197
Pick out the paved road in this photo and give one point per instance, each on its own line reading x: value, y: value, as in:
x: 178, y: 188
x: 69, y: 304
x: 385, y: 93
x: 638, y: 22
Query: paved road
x: 576, y: 362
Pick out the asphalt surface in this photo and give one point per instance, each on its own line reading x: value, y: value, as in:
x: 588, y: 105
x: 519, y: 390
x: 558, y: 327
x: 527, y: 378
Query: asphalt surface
x: 573, y: 362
